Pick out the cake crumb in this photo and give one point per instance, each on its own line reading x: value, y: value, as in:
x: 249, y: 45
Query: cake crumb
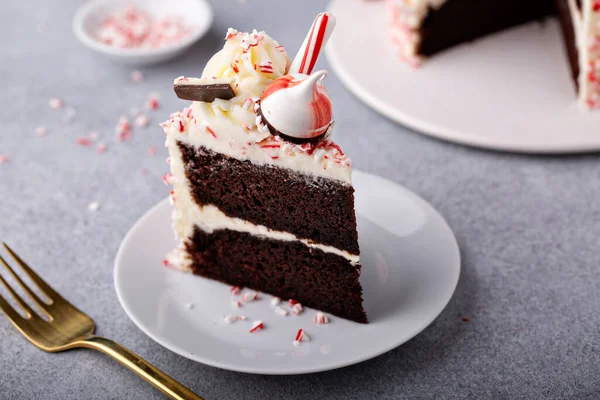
x: 93, y: 206
x: 465, y: 319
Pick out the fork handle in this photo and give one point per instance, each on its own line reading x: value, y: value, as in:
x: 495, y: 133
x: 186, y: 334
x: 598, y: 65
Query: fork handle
x: 143, y: 368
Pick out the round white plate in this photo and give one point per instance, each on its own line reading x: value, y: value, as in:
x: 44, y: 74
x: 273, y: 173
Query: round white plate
x: 510, y: 91
x: 411, y: 264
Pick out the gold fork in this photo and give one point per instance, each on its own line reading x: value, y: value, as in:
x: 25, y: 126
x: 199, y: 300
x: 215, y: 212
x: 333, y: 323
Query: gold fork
x: 68, y: 328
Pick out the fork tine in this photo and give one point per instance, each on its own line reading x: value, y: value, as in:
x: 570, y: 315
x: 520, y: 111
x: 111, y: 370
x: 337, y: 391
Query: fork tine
x: 41, y: 284
x: 24, y: 286
x: 12, y: 314
x: 30, y: 313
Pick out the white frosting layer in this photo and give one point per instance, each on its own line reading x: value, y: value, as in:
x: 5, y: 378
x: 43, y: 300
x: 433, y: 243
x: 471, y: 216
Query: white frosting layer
x: 187, y: 215
x: 323, y: 158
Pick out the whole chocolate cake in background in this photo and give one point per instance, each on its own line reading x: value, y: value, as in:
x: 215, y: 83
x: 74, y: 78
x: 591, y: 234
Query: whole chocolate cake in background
x: 422, y: 28
x: 262, y: 198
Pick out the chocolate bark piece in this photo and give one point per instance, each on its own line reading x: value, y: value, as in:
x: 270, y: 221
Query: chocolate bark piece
x: 203, y: 89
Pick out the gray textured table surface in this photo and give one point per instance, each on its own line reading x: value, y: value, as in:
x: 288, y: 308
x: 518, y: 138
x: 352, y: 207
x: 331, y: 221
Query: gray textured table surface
x: 527, y: 226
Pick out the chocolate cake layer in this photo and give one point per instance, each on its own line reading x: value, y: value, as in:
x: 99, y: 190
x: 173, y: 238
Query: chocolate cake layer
x: 566, y: 20
x: 459, y: 21
x: 312, y: 208
x: 289, y: 270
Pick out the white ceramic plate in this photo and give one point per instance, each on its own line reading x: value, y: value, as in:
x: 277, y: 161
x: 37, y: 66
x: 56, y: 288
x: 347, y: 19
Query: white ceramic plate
x: 411, y: 265
x: 510, y: 91
x: 196, y: 13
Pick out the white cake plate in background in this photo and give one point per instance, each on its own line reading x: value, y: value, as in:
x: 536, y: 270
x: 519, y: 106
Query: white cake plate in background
x: 410, y: 261
x: 511, y: 91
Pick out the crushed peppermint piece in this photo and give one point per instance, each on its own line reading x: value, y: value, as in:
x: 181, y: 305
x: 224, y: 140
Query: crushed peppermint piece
x: 275, y: 301
x: 4, y: 158
x: 242, y: 318
x: 321, y: 318
x: 301, y: 336
x: 297, y: 309
x: 189, y: 306
x: 41, y: 131
x: 137, y: 76
x: 248, y: 297
x: 152, y: 151
x: 256, y: 325
x: 93, y: 206
x: 141, y: 121
x: 83, y: 141
x: 152, y: 101
x: 123, y: 129
x: 281, y: 311
x: 235, y: 290
x: 93, y: 135
x: 101, y: 147
x: 292, y: 302
x: 168, y: 179
x: 236, y: 303
x: 230, y: 319
x: 55, y: 103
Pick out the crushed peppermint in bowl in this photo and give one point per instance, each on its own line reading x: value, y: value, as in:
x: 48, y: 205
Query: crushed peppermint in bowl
x: 141, y: 32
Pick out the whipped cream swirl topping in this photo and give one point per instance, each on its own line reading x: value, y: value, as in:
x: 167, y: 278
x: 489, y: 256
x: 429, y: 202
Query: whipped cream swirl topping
x: 249, y: 62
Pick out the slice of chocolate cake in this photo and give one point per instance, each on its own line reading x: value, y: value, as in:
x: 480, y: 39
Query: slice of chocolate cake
x: 422, y: 28
x: 262, y: 198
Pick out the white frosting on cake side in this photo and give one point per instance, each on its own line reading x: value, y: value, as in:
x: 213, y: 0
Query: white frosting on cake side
x: 187, y: 215
x: 587, y: 33
x: 323, y: 158
x: 405, y: 18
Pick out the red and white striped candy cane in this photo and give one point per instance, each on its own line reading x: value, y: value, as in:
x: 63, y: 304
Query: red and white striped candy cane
x: 317, y: 37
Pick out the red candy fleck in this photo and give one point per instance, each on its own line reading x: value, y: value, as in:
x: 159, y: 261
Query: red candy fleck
x: 152, y: 103
x: 4, y: 158
x: 211, y: 132
x: 256, y: 326
x: 596, y: 6
x: 292, y: 302
x: 101, y: 148
x: 83, y: 141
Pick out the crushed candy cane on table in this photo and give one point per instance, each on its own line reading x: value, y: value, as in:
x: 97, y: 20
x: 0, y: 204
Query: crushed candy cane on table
x: 41, y: 131
x: 133, y: 27
x: 4, y: 158
x: 248, y: 297
x: 321, y: 318
x: 256, y: 325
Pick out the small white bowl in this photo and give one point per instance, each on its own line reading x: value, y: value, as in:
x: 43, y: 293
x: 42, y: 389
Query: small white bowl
x: 89, y: 16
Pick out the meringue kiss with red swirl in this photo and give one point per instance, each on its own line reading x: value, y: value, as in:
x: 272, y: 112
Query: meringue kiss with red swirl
x: 297, y: 107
